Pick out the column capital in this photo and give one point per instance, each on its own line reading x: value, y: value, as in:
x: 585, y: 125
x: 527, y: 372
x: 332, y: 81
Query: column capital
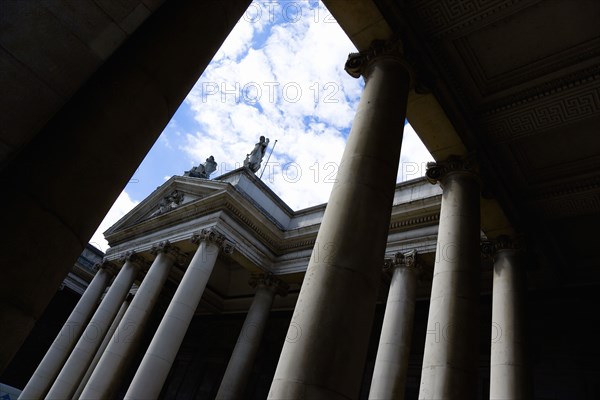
x: 211, y: 235
x: 439, y: 170
x: 271, y: 281
x: 489, y: 248
x: 106, y: 265
x: 400, y: 260
x: 360, y: 63
x: 134, y: 258
x: 170, y: 250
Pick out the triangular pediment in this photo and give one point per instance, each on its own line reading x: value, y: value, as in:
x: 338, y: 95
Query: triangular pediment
x: 166, y: 199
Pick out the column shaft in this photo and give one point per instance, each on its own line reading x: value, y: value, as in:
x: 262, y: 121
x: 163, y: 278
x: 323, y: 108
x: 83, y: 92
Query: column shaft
x: 78, y: 362
x: 94, y: 144
x: 391, y: 364
x: 242, y: 359
x: 324, y: 354
x: 451, y: 352
x: 154, y: 368
x: 128, y: 333
x: 100, y: 351
x: 60, y: 349
x: 508, y: 369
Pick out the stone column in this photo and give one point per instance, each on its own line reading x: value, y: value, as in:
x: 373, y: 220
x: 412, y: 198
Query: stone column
x: 95, y: 144
x: 154, y: 368
x: 391, y: 363
x: 451, y: 347
x: 242, y: 359
x: 324, y: 354
x: 50, y: 366
x: 128, y: 333
x: 509, y: 378
x: 103, y: 345
x: 78, y: 362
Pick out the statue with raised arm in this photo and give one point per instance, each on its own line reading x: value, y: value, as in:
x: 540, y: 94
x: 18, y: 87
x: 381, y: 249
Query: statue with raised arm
x: 203, y: 170
x: 255, y: 157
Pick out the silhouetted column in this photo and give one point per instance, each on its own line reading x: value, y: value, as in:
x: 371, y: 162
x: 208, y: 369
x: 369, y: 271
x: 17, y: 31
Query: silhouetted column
x: 114, y: 360
x: 324, y: 355
x: 50, y: 366
x: 103, y: 345
x: 78, y: 362
x: 154, y: 368
x: 391, y: 363
x: 451, y: 353
x: 509, y: 377
x: 240, y: 364
x: 65, y: 180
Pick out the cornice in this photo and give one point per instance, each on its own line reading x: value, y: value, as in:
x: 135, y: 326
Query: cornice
x: 411, y: 223
x: 248, y: 222
x: 269, y: 239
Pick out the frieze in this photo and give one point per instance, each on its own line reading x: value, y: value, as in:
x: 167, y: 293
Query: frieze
x: 576, y: 101
x: 546, y: 89
x: 415, y: 221
x: 440, y: 19
x: 248, y: 223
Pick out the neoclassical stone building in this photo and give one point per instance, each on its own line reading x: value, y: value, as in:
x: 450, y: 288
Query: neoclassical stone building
x: 258, y: 255
x: 505, y: 96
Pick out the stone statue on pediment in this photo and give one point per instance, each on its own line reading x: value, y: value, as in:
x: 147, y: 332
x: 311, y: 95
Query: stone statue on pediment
x: 255, y: 157
x: 203, y: 170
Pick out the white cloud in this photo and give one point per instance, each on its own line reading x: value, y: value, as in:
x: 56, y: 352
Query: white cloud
x: 282, y: 76
x: 279, y: 74
x: 121, y: 206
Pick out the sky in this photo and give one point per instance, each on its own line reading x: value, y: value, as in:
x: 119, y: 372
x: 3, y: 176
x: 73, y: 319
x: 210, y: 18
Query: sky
x: 279, y: 74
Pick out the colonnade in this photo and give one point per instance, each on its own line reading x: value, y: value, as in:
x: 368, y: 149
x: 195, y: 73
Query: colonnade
x: 334, y: 311
x: 335, y: 308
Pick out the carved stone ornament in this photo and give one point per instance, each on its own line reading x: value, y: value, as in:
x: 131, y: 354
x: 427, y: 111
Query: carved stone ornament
x: 437, y: 171
x: 203, y: 170
x: 214, y: 237
x: 489, y: 248
x: 358, y: 64
x: 280, y: 287
x: 131, y: 256
x: 169, y: 202
x: 106, y: 265
x: 408, y: 260
x: 172, y: 251
x: 254, y: 159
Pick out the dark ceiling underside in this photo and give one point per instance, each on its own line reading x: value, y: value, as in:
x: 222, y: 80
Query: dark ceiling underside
x: 520, y: 80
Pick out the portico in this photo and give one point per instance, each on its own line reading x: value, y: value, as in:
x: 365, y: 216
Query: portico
x: 509, y: 113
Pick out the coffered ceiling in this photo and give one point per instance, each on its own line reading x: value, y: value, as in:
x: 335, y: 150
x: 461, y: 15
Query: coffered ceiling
x: 520, y: 81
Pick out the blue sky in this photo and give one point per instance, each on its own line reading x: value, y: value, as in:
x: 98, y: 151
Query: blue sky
x: 280, y: 74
